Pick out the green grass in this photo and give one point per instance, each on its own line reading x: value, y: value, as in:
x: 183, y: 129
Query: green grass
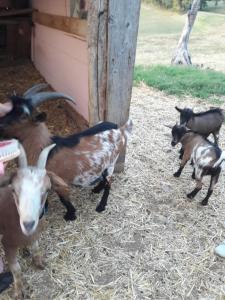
x: 178, y: 80
x: 155, y: 21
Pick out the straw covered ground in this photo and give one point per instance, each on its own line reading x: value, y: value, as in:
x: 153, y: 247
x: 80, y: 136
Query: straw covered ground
x: 151, y: 242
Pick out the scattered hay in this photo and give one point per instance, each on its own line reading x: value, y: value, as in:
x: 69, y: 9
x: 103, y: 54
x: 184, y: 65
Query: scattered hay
x: 150, y: 243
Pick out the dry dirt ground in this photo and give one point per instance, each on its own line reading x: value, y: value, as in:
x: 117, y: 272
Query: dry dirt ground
x: 151, y: 242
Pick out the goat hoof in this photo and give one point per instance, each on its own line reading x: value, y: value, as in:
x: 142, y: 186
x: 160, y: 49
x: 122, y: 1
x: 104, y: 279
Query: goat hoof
x: 70, y: 217
x: 176, y: 174
x: 95, y: 191
x: 204, y: 203
x: 193, y: 176
x: 100, y: 209
x: 190, y: 196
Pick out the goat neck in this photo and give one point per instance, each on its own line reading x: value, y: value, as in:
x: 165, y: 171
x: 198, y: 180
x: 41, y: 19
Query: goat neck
x: 189, y: 138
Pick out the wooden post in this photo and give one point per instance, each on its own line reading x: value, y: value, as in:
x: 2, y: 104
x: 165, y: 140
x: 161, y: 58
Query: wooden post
x: 123, y: 24
x: 97, y: 50
x: 112, y: 40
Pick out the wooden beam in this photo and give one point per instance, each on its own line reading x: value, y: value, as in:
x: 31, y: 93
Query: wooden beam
x: 123, y: 21
x: 67, y: 24
x: 97, y: 53
x: 112, y: 40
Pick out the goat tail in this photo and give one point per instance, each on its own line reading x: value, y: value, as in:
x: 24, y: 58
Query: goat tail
x: 127, y: 128
x: 220, y: 161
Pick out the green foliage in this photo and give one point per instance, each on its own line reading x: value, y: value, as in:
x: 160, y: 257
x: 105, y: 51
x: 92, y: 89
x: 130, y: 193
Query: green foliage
x: 179, y: 80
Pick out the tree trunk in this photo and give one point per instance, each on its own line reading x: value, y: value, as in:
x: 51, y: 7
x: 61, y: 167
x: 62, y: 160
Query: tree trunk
x: 181, y: 55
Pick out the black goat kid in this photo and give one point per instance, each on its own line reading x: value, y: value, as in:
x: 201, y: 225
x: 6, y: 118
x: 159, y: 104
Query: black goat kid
x: 203, y: 123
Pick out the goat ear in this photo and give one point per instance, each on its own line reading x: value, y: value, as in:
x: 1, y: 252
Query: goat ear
x: 169, y: 126
x: 178, y: 109
x: 56, y: 181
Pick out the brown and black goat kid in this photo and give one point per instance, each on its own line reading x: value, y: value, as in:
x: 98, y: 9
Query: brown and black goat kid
x: 84, y: 159
x: 22, y: 201
x: 204, y: 123
x: 206, y: 157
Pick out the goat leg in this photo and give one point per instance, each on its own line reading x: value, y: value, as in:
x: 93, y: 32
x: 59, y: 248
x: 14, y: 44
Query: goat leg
x: 101, y: 206
x: 196, y: 189
x: 216, y: 136
x: 193, y: 174
x: 193, y: 193
x: 213, y: 181
x: 71, y: 211
x: 98, y: 188
x: 178, y: 173
x: 64, y: 198
x: 37, y: 259
x: 185, y: 159
x: 107, y: 177
x: 16, y: 271
x: 181, y: 151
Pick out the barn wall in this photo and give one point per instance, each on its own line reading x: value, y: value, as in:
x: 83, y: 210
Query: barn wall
x: 60, y: 57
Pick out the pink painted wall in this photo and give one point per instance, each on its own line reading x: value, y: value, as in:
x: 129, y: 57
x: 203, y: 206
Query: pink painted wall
x: 61, y: 58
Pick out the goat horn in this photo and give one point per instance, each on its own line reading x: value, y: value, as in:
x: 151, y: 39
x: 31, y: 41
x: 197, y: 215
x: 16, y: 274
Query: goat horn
x: 22, y: 158
x: 34, y: 89
x: 38, y: 98
x: 42, y: 160
x: 169, y: 126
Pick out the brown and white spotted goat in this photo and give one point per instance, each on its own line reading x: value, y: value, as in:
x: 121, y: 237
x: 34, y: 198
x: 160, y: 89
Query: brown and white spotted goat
x: 206, y: 157
x: 204, y: 123
x: 84, y: 159
x: 22, y: 200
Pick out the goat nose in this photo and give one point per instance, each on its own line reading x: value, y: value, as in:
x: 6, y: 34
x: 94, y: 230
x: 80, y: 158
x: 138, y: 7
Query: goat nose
x: 28, y: 225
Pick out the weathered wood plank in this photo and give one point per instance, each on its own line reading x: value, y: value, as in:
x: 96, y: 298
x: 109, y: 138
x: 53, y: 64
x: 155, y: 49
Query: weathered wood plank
x: 97, y: 50
x: 92, y: 39
x: 112, y: 38
x: 123, y: 21
x: 122, y: 39
x: 71, y: 25
x: 102, y: 58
